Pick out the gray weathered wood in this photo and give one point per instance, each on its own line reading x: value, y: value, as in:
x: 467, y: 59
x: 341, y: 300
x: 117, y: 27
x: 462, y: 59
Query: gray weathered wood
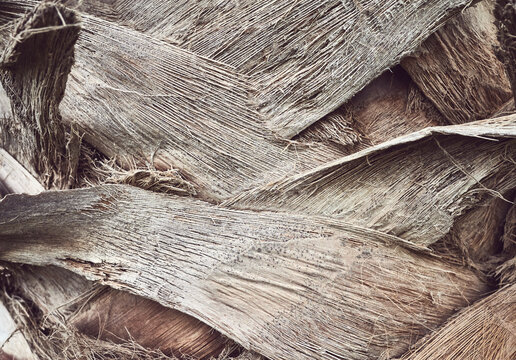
x: 180, y: 109
x: 67, y: 299
x: 167, y: 106
x: 71, y: 301
x: 287, y: 286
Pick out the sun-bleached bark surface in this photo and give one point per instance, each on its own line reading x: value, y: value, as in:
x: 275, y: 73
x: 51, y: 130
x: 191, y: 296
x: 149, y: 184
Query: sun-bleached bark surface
x: 413, y: 186
x: 270, y: 281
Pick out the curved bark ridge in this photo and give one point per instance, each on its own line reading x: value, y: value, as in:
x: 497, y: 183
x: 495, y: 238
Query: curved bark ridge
x: 413, y: 186
x: 485, y: 330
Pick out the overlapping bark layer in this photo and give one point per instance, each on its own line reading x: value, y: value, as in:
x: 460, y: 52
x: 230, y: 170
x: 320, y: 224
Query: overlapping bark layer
x: 184, y: 111
x: 306, y: 58
x: 457, y: 67
x: 102, y: 313
x: 270, y: 281
x: 390, y: 106
x: 203, y: 100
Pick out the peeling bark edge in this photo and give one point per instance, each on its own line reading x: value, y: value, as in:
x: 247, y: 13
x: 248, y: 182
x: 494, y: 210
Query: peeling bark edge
x: 186, y: 336
x: 33, y: 70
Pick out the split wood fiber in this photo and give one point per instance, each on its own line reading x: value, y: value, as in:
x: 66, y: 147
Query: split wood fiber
x: 35, y: 66
x: 33, y: 70
x: 62, y: 342
x: 457, y: 67
x: 484, y: 331
x: 413, y: 186
x: 59, y: 294
x: 204, y: 114
x: 287, y: 286
x: 164, y: 105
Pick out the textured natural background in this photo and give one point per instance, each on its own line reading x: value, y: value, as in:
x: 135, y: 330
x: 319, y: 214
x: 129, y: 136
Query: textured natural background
x: 257, y: 179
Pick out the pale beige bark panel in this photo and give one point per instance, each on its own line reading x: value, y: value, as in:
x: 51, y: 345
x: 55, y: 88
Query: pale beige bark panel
x: 163, y: 103
x: 413, y: 186
x: 287, y: 286
x: 140, y: 99
x: 308, y: 57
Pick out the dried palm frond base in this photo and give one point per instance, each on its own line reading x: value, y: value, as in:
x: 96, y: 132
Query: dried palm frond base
x: 484, y: 331
x: 333, y: 284
x: 50, y: 339
x: 59, y: 296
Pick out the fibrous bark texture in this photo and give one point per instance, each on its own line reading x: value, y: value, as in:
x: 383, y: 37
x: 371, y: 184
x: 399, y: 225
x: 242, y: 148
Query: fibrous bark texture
x: 222, y: 101
x: 67, y: 302
x: 413, y: 186
x: 390, y: 106
x: 270, y: 281
x: 201, y: 105
x: 118, y: 316
x: 33, y: 69
x: 507, y: 271
x: 301, y: 75
x: 457, y: 68
x: 479, y: 233
x: 174, y: 109
x: 484, y: 331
